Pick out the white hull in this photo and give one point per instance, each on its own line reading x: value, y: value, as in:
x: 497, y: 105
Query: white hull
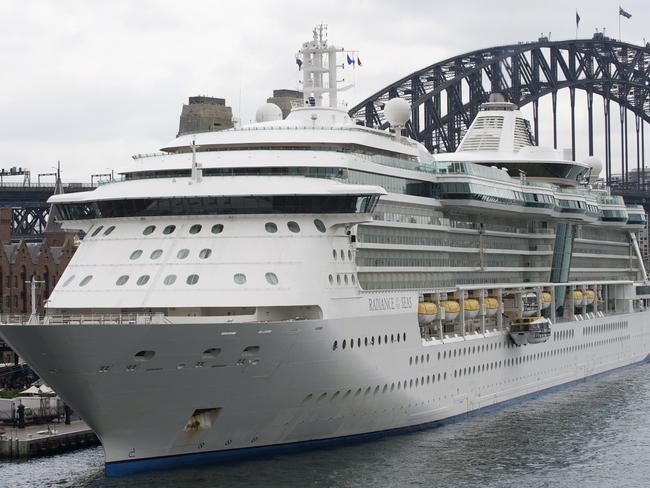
x: 296, y: 388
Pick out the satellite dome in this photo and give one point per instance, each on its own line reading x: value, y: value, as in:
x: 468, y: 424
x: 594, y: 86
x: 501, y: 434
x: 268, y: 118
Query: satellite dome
x: 268, y: 113
x: 596, y: 166
x: 397, y: 112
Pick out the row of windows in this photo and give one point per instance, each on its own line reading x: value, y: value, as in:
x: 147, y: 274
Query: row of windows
x: 192, y: 279
x: 345, y: 279
x: 181, y: 254
x: 370, y: 341
x: 194, y: 229
x: 600, y: 328
x: 336, y: 255
x: 563, y: 335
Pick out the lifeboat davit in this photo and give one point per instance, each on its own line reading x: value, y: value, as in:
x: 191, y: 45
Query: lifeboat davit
x: 472, y: 308
x: 491, y: 306
x: 547, y: 298
x: 451, y: 308
x: 427, y: 312
x: 590, y: 296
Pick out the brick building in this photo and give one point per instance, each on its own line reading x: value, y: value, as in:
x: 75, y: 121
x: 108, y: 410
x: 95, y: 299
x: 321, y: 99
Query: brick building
x: 19, y: 262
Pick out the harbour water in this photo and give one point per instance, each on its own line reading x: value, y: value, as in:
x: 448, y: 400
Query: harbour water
x: 594, y: 434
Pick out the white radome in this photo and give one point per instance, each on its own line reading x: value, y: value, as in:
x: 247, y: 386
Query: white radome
x: 268, y: 112
x: 397, y: 112
x: 596, y: 166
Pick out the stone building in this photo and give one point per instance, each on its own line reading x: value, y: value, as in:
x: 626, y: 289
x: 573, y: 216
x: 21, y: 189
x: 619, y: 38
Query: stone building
x: 284, y: 98
x: 204, y: 114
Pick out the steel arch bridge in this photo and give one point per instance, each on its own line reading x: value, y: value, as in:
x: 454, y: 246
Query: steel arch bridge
x: 446, y: 96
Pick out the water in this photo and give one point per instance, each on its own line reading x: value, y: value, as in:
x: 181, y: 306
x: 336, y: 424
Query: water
x: 595, y: 434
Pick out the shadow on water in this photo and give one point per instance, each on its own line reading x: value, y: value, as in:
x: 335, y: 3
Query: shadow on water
x: 593, y: 434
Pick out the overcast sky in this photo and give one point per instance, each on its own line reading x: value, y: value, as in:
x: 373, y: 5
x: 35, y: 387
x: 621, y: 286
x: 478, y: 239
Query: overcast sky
x: 91, y: 82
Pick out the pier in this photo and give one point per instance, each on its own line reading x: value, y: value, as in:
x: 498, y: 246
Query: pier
x: 44, y: 440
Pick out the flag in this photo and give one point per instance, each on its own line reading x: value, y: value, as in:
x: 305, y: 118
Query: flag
x: 577, y: 19
x: 359, y: 61
x: 622, y: 12
x: 350, y: 60
x: 299, y: 63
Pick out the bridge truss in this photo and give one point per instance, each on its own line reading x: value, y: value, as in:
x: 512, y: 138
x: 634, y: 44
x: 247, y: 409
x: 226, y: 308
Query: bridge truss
x: 446, y: 96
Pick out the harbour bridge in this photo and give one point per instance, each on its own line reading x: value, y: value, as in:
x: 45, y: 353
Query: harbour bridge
x: 446, y: 96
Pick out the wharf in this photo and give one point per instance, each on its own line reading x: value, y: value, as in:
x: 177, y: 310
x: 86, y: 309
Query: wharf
x: 37, y: 440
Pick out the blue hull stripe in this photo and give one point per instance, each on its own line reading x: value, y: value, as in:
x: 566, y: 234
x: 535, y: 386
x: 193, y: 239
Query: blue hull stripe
x: 127, y: 467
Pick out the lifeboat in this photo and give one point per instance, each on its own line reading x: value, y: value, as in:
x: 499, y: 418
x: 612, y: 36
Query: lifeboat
x: 472, y: 308
x: 547, y: 298
x: 578, y: 298
x: 530, y: 330
x: 451, y: 308
x: 590, y: 296
x: 427, y: 312
x: 491, y: 306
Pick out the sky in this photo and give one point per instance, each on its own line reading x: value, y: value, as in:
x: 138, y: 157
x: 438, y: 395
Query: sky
x: 92, y: 82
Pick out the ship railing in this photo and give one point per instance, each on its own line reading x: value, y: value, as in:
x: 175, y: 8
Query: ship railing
x: 80, y: 319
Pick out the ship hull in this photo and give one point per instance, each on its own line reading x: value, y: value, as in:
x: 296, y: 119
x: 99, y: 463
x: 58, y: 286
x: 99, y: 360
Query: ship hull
x: 291, y: 385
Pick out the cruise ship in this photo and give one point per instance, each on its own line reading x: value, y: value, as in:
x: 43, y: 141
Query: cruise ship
x: 307, y: 281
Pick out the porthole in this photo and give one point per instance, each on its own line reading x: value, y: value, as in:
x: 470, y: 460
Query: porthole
x: 136, y: 254
x: 342, y: 255
x: 354, y: 282
x: 345, y: 278
x: 205, y: 253
x: 68, y: 281
x: 183, y: 253
x: 338, y: 279
x: 335, y: 345
x: 331, y: 278
x: 97, y: 230
x: 192, y: 279
x: 217, y: 229
x: 196, y: 228
x: 143, y: 280
x: 169, y: 229
x: 271, y: 278
x: 349, y: 255
x: 239, y: 278
x: 149, y: 230
x: 170, y: 279
x: 271, y: 228
x: 156, y: 254
x: 293, y: 226
x: 320, y: 226
x: 122, y: 280
x: 86, y: 280
x: 109, y: 230
x: 334, y: 253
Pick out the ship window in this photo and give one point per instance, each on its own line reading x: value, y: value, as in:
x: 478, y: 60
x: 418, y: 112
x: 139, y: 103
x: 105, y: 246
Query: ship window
x: 86, y: 280
x: 239, y: 278
x: 217, y: 228
x: 148, y: 230
x: 109, y: 230
x: 271, y: 278
x: 183, y: 253
x: 192, y: 279
x: 349, y: 255
x: 334, y: 253
x: 68, y: 281
x: 170, y: 279
x: 156, y: 254
x: 136, y: 254
x: 293, y: 226
x: 169, y: 229
x: 338, y: 279
x: 205, y: 253
x: 345, y: 278
x: 320, y: 226
x: 271, y: 228
x: 195, y: 229
x: 143, y: 280
x: 331, y: 278
x: 122, y: 280
x: 342, y: 255
x: 97, y: 230
x: 354, y: 282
